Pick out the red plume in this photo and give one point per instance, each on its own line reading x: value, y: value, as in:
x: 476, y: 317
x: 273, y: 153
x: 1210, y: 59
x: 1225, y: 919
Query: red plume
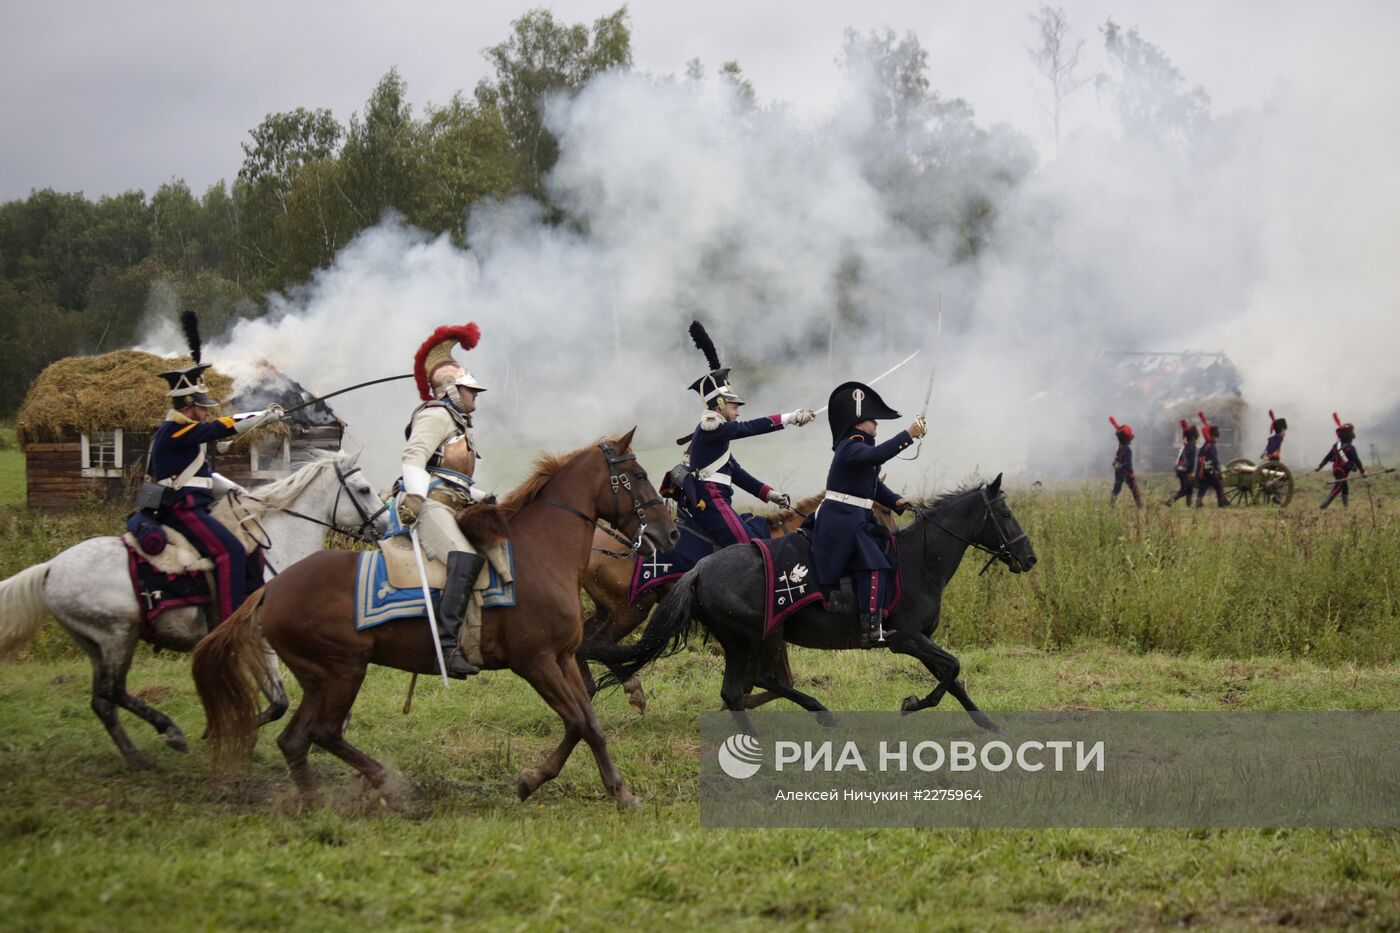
x: 1337, y: 418
x: 1113, y: 422
x: 1183, y: 425
x: 466, y: 336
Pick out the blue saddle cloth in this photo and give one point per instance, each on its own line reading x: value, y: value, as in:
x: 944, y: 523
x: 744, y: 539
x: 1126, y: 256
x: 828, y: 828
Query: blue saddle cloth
x: 376, y: 602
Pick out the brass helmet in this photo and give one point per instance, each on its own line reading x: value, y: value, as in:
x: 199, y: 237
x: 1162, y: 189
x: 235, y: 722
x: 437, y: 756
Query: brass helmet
x: 436, y: 352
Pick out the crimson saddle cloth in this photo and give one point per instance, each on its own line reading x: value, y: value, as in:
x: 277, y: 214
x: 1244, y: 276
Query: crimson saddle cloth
x: 789, y: 580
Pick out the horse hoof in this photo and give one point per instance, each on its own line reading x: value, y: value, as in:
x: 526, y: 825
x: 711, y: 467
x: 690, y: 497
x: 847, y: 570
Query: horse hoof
x: 827, y: 718
x: 626, y: 801
x: 524, y: 785
x: 176, y: 739
x: 638, y: 702
x: 983, y: 720
x: 910, y: 705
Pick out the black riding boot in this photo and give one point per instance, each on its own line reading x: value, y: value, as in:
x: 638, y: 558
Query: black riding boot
x: 871, y: 631
x: 462, y: 570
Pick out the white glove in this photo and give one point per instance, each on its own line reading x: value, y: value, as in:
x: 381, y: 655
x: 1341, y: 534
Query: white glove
x: 800, y: 417
x: 711, y: 420
x: 919, y: 428
x: 271, y: 415
x: 222, y: 485
x: 780, y: 498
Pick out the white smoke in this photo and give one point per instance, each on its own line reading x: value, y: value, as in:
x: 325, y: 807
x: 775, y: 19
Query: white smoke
x: 1271, y: 240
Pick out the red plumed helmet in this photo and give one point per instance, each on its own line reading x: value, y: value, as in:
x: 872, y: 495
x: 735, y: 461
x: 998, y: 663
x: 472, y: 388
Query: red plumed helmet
x: 437, y: 351
x: 1125, y: 429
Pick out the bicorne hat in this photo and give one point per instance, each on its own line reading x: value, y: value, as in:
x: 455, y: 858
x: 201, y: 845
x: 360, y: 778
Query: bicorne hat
x: 852, y: 403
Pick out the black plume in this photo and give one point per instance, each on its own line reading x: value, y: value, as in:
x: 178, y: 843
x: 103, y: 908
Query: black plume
x: 704, y: 344
x: 189, y: 322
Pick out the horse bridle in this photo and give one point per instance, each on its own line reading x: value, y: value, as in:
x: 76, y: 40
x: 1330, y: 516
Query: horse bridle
x: 1003, y: 549
x: 362, y: 533
x: 619, y: 480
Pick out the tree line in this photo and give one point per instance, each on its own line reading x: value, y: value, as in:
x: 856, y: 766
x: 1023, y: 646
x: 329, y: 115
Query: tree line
x: 79, y: 275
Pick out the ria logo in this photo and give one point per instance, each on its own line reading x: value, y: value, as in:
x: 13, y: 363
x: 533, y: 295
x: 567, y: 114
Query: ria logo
x: 740, y: 756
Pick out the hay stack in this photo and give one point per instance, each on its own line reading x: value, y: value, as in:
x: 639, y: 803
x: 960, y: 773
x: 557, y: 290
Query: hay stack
x: 123, y: 389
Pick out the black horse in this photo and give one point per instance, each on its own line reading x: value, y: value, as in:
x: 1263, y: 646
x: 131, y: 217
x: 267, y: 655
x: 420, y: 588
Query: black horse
x: 725, y: 593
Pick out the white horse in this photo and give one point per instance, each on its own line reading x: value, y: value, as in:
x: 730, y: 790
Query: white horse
x: 88, y: 589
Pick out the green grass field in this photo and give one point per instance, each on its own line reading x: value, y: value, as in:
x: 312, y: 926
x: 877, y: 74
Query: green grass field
x: 1266, y: 610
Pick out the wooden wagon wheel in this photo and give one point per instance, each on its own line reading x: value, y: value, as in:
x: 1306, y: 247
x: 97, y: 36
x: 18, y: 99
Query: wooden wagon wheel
x: 1239, y: 480
x: 1275, y: 483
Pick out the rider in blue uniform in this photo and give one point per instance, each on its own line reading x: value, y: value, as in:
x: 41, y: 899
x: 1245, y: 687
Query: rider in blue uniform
x: 708, y: 489
x: 179, y: 462
x: 846, y: 537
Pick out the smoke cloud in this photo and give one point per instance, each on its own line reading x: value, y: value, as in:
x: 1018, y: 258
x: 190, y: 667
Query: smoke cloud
x: 1267, y: 235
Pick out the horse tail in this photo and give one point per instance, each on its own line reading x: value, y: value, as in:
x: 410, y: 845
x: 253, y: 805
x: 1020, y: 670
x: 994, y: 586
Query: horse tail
x: 226, y: 664
x: 22, y: 608
x: 665, y: 634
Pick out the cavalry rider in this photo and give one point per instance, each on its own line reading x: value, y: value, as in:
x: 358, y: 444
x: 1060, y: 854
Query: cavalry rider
x: 1208, y: 469
x: 846, y: 537
x: 1273, y: 449
x: 1344, y: 460
x: 1186, y: 463
x: 1123, y: 464
x: 707, y: 490
x: 439, y: 459
x: 179, y: 462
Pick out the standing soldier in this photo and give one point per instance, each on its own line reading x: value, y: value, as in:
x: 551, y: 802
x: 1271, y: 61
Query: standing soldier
x: 1123, y: 463
x: 708, y: 487
x: 439, y: 459
x: 1186, y: 463
x: 1273, y: 450
x: 1208, y: 466
x: 1344, y: 460
x: 179, y: 462
x: 846, y: 537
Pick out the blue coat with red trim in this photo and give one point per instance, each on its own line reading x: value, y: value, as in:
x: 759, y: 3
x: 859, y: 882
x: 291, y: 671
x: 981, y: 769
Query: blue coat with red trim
x: 1273, y: 449
x: 1208, y: 461
x: 1344, y: 460
x: 709, y: 502
x: 1123, y: 461
x: 175, y: 444
x: 1186, y: 460
x: 847, y: 537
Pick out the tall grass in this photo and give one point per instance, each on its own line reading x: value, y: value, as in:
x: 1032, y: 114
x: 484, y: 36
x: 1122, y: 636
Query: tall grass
x: 1229, y: 583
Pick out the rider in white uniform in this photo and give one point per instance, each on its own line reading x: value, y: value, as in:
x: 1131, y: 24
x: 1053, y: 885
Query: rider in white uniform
x: 439, y: 459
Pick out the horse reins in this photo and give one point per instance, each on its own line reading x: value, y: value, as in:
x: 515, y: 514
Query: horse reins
x: 1001, y: 552
x: 361, y: 534
x: 619, y: 479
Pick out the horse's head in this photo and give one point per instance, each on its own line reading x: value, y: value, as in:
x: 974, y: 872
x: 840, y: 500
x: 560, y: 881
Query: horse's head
x: 981, y: 517
x: 356, y: 505
x: 629, y: 502
x: 1001, y: 534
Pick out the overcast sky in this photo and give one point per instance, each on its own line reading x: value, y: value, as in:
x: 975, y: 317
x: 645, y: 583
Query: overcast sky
x: 102, y: 97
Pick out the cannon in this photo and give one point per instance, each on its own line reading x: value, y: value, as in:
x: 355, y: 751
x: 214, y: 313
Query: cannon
x: 1269, y: 482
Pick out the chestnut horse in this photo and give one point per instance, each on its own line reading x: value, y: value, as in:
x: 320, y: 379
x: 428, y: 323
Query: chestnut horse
x: 307, y: 615
x: 608, y: 582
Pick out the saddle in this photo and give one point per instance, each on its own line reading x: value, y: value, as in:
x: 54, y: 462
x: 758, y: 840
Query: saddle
x: 178, y: 575
x: 788, y: 584
x: 483, y: 527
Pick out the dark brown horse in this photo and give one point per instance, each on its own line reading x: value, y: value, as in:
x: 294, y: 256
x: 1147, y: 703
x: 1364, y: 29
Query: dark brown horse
x: 307, y: 615
x: 608, y: 583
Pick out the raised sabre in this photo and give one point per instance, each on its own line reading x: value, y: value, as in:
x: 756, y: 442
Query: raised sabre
x: 428, y: 601
x: 878, y: 378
